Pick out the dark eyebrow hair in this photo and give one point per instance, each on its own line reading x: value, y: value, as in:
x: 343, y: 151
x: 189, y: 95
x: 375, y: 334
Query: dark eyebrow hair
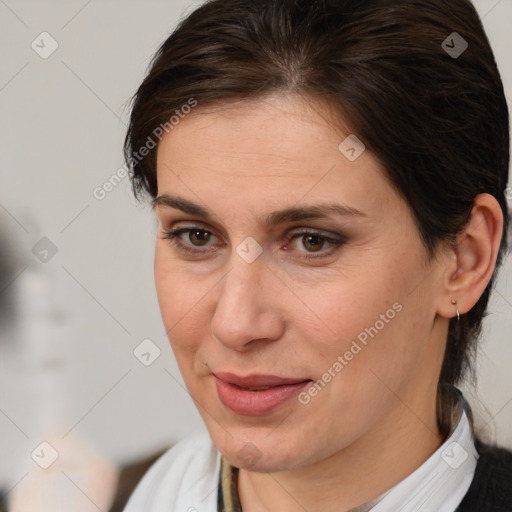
x: 180, y: 204
x: 278, y: 217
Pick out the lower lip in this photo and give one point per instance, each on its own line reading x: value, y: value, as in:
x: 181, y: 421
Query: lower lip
x: 253, y: 403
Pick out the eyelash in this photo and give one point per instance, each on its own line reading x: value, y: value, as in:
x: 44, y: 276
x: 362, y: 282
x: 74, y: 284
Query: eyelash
x: 173, y: 237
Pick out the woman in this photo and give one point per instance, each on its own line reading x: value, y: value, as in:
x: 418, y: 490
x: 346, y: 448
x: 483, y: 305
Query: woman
x: 328, y: 179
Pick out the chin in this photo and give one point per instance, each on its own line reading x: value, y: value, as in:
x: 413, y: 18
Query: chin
x: 260, y: 452
x: 251, y: 458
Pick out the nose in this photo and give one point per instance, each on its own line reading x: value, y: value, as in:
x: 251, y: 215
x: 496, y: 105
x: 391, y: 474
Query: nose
x: 248, y: 312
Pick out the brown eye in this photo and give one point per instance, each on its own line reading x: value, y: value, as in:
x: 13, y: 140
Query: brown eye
x: 199, y: 237
x: 313, y: 243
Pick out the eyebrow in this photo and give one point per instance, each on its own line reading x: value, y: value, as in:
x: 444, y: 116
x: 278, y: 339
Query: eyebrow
x: 274, y: 218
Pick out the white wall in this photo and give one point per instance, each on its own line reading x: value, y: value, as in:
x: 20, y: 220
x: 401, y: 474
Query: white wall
x: 67, y: 363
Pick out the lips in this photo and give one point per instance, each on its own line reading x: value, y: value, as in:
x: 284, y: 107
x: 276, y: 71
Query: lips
x: 256, y: 394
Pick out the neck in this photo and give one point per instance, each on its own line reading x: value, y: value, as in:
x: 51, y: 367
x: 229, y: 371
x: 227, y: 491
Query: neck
x: 356, y: 474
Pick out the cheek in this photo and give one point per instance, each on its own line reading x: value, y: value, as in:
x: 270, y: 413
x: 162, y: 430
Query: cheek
x: 349, y: 307
x: 370, y: 322
x: 379, y: 348
x: 179, y: 299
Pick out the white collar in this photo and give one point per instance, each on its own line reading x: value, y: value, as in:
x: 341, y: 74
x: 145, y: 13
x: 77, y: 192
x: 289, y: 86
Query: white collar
x: 442, y: 481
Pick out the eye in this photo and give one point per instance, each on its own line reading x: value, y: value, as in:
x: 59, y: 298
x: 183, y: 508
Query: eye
x: 190, y: 239
x: 312, y: 244
x: 199, y: 237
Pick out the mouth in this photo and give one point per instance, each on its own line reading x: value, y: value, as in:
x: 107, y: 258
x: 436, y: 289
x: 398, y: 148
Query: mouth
x: 256, y: 394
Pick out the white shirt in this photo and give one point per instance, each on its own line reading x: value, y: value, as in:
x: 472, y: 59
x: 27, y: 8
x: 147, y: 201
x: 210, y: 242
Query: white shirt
x: 442, y: 481
x: 186, y: 478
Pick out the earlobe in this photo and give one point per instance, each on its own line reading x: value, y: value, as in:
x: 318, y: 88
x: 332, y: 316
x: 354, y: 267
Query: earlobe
x: 473, y: 260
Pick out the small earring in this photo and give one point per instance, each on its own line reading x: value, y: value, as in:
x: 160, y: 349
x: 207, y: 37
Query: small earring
x: 454, y: 302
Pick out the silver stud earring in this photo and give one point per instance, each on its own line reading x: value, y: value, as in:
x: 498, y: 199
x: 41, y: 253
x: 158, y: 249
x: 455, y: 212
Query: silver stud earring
x: 454, y: 302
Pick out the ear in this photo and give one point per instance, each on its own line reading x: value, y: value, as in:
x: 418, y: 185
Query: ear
x: 472, y: 261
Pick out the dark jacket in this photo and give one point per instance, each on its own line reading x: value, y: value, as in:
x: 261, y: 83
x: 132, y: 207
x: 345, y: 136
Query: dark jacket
x: 491, y: 488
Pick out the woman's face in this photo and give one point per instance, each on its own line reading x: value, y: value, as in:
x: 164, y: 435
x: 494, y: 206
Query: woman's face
x: 295, y: 290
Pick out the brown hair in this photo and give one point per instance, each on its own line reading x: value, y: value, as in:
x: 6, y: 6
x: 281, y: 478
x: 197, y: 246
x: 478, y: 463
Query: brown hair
x: 438, y: 122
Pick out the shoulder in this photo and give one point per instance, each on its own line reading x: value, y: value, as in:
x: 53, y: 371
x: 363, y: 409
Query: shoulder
x: 490, y: 488
x: 183, y: 479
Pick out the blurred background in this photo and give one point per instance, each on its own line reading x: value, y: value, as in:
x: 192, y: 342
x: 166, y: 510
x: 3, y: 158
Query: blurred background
x: 88, y: 383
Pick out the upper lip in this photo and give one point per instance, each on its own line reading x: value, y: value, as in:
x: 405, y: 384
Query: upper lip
x: 256, y: 380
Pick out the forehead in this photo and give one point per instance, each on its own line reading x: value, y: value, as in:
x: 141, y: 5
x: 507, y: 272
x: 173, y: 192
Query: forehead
x: 280, y: 150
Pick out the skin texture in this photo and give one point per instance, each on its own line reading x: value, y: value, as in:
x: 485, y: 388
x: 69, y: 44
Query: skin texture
x: 283, y: 314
